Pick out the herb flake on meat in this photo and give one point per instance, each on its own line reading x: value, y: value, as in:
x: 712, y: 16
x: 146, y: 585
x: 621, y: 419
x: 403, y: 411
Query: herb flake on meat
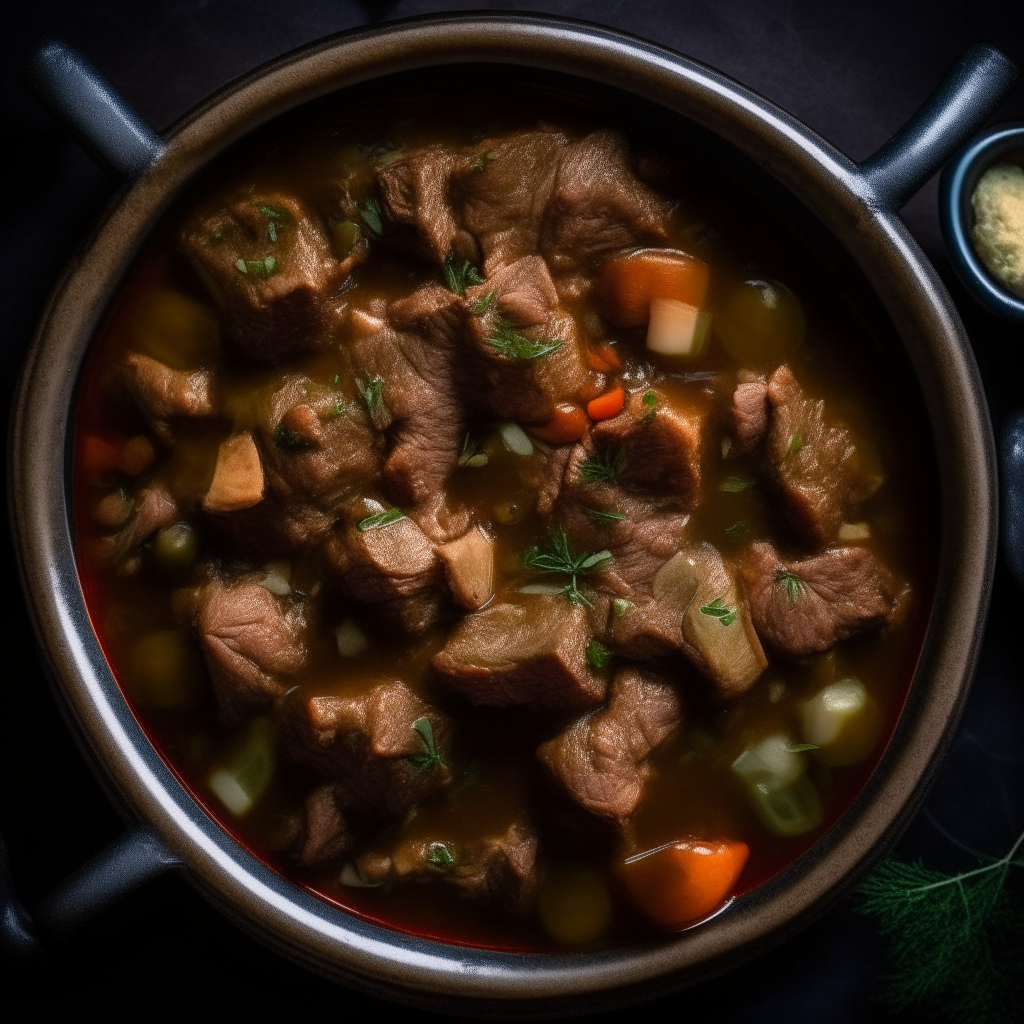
x: 718, y: 609
x: 441, y: 856
x: 369, y: 210
x: 482, y: 305
x: 605, y: 518
x: 379, y: 519
x: 483, y: 160
x: 261, y: 268
x: 291, y: 440
x: 598, y: 655
x: 793, y: 585
x: 509, y: 342
x: 459, y: 274
x: 431, y: 757
x: 603, y: 466
x: 650, y: 402
x: 796, y: 442
x: 372, y: 394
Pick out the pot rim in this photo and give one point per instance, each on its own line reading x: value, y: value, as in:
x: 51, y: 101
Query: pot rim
x: 393, y: 964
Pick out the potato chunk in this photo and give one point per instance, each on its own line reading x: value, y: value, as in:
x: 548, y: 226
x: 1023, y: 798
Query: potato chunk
x: 238, y: 478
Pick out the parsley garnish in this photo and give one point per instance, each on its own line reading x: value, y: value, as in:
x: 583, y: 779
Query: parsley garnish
x: 291, y: 439
x: 509, y: 342
x: 339, y: 409
x: 431, y: 757
x: 441, y: 856
x: 372, y: 394
x: 483, y: 160
x: 735, y: 484
x: 605, y: 518
x: 459, y: 273
x: 369, y: 210
x: 481, y: 305
x: 262, y: 268
x: 718, y: 609
x: 392, y: 515
x: 556, y: 556
x: 598, y: 655
x: 796, y: 442
x: 650, y: 401
x: 792, y: 583
x: 603, y: 466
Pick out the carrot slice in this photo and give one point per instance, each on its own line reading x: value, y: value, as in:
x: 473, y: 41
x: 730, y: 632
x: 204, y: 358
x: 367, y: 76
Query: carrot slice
x: 567, y: 424
x: 604, y: 359
x: 631, y: 283
x: 605, y: 407
x: 686, y: 881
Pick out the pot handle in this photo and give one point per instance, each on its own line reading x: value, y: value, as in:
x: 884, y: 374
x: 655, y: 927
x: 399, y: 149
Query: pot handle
x: 72, y: 89
x: 959, y: 105
x: 128, y: 862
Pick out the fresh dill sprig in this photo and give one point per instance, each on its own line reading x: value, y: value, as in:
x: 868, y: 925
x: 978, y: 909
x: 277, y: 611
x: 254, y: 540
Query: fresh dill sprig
x: 509, y: 342
x: 482, y: 305
x: 954, y: 942
x: 718, y: 609
x: 603, y: 466
x: 459, y: 274
x: 790, y: 582
x: 431, y: 757
x: 369, y: 210
x: 556, y: 556
x: 605, y: 518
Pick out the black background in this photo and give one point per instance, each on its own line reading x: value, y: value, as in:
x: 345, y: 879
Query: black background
x: 853, y: 72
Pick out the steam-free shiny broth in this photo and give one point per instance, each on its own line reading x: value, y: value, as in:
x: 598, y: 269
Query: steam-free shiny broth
x: 470, y: 835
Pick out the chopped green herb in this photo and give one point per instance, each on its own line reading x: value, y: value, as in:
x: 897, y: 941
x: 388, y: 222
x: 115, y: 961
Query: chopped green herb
x: 291, y: 439
x: 556, y: 556
x: 736, y: 529
x: 459, y: 273
x: 605, y: 518
x: 735, y: 484
x: 263, y: 268
x: 482, y: 305
x: 650, y: 401
x: 792, y: 583
x: 372, y: 394
x: 799, y: 748
x: 603, y: 466
x: 272, y: 232
x: 598, y: 655
x: 483, y: 160
x: 339, y: 409
x: 509, y: 342
x: 620, y: 606
x: 796, y: 442
x: 431, y: 757
x: 392, y: 515
x: 369, y: 210
x: 718, y: 609
x: 441, y: 856
x: 274, y: 212
x: 216, y: 238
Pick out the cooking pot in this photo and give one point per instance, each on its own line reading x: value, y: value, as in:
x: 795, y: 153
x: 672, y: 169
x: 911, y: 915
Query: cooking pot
x: 853, y: 205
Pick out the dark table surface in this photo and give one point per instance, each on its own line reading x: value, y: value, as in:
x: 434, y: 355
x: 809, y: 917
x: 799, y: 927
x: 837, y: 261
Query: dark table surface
x: 853, y: 72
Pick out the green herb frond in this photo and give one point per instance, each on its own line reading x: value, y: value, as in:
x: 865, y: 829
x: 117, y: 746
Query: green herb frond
x: 794, y: 586
x: 718, y: 609
x: 372, y: 394
x: 459, y: 274
x: 482, y: 305
x: 650, y: 403
x: 509, y: 342
x: 603, y: 466
x: 737, y: 529
x: 379, y: 519
x: 557, y: 557
x: 441, y: 856
x: 796, y: 442
x: 605, y: 517
x: 431, y: 757
x: 598, y: 655
x: 369, y: 210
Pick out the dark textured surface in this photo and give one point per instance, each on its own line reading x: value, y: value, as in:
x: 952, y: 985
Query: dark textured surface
x: 853, y: 73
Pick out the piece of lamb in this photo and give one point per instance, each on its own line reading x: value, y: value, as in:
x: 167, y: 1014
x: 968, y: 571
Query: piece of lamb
x: 253, y: 643
x: 371, y: 744
x: 323, y: 834
x: 531, y: 651
x: 153, y: 509
x: 270, y: 267
x: 599, y: 760
x: 495, y: 869
x: 816, y: 465
x: 806, y: 606
x: 748, y: 416
x: 164, y: 394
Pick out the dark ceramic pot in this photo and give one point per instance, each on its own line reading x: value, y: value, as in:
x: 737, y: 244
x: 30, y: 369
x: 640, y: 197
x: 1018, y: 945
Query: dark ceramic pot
x: 854, y: 206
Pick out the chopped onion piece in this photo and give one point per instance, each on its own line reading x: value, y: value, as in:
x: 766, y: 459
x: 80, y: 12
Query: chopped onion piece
x: 773, y: 773
x: 351, y: 639
x: 277, y: 579
x: 771, y: 760
x: 843, y: 722
x: 515, y: 439
x: 854, y: 531
x: 676, y: 329
x: 230, y: 792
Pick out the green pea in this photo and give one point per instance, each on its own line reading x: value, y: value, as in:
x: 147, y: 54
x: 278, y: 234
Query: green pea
x: 346, y: 237
x: 175, y: 549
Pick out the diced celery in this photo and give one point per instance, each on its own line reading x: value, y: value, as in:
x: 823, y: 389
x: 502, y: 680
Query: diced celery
x: 783, y: 797
x: 277, y: 579
x: 351, y: 639
x: 772, y: 760
x: 843, y: 722
x: 515, y: 439
x: 241, y: 783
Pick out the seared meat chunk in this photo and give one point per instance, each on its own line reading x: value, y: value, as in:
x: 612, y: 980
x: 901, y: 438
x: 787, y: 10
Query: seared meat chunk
x: 529, y: 355
x: 152, y: 508
x: 373, y: 744
x: 252, y: 642
x: 163, y: 394
x: 531, y: 651
x: 598, y: 205
x: 276, y: 526
x: 748, y: 415
x: 497, y: 868
x: 820, y: 473
x: 322, y: 832
x: 599, y: 760
x: 469, y: 568
x: 696, y: 607
x: 392, y: 565
x: 269, y: 266
x: 807, y: 606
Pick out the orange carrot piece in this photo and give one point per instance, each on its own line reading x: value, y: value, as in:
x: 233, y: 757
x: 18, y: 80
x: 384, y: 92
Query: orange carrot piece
x: 685, y: 881
x: 607, y: 406
x: 99, y: 456
x: 604, y: 359
x: 567, y: 424
x: 631, y: 283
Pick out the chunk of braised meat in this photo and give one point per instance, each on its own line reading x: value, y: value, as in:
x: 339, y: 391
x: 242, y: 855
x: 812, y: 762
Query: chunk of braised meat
x: 697, y: 608
x: 416, y: 212
x: 410, y: 388
x: 600, y: 760
x: 150, y: 509
x: 598, y: 205
x: 276, y: 526
x: 322, y: 834
x: 391, y: 565
x: 270, y: 267
x: 497, y: 868
x: 817, y: 466
x: 748, y: 415
x: 530, y: 651
x: 253, y: 643
x: 807, y: 606
x: 164, y: 394
x: 370, y: 743
x: 529, y: 356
